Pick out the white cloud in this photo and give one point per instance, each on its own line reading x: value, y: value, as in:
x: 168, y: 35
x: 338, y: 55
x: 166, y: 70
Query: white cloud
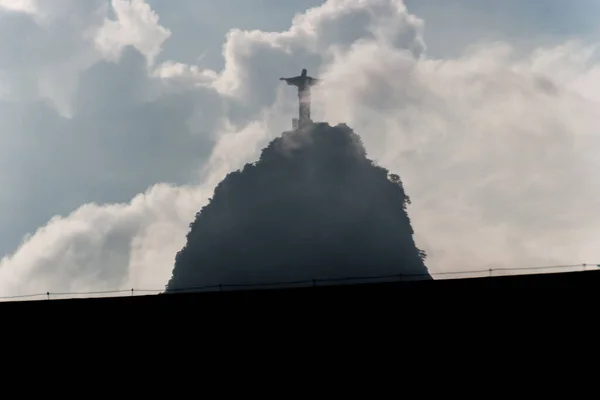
x: 64, y: 38
x: 105, y: 247
x: 25, y: 6
x: 496, y: 149
x: 136, y: 25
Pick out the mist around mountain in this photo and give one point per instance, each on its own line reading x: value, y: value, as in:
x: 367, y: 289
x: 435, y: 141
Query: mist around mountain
x: 312, y: 207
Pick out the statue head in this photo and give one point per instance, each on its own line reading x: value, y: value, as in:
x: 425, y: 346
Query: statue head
x: 304, y: 72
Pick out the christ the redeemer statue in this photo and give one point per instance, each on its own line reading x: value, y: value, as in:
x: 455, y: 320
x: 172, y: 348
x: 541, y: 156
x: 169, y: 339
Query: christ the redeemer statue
x: 304, y: 84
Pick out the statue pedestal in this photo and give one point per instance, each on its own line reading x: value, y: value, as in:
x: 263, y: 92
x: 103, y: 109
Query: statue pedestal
x: 301, y: 123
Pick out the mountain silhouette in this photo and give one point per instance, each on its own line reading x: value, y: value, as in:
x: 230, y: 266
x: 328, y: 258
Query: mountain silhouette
x: 312, y: 207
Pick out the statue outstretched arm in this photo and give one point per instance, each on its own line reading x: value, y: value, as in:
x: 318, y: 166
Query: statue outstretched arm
x: 295, y: 81
x: 286, y: 80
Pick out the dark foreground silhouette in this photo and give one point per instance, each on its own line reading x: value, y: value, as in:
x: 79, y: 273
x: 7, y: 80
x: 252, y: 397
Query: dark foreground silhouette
x: 312, y: 207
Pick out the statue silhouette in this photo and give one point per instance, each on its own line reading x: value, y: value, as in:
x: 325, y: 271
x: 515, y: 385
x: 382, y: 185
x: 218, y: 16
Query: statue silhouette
x: 304, y: 83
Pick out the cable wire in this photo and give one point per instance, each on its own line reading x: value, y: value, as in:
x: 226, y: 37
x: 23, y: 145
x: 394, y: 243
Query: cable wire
x: 289, y: 284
